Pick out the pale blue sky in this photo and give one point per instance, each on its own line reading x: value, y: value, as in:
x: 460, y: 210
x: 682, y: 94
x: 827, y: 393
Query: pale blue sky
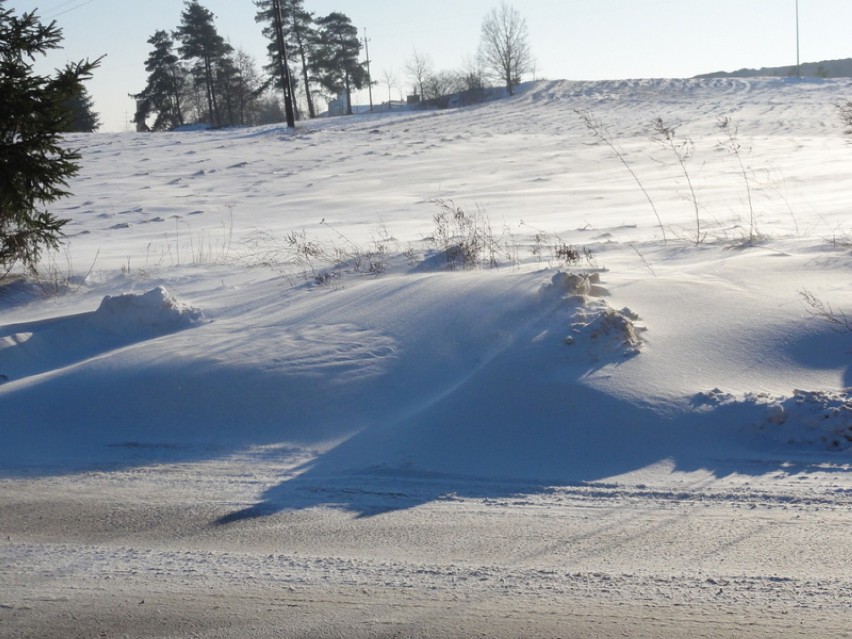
x: 571, y: 39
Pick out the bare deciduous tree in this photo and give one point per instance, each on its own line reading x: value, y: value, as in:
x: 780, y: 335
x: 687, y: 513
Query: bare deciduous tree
x: 390, y: 81
x: 504, y: 45
x: 471, y: 77
x: 419, y: 68
x: 440, y: 87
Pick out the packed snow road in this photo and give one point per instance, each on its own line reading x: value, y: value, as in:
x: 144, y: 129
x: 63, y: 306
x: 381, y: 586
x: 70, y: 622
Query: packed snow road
x: 137, y: 554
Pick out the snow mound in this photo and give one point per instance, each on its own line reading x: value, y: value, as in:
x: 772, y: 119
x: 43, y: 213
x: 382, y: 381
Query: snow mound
x: 822, y: 418
x: 612, y: 330
x: 583, y: 284
x: 596, y: 325
x: 156, y: 311
x: 808, y: 419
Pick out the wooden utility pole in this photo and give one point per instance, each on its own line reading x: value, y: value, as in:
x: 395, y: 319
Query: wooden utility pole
x: 283, y: 65
x: 369, y: 77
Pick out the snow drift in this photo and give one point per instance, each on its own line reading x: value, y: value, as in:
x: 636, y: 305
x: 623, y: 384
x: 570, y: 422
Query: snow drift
x: 279, y: 404
x: 327, y: 323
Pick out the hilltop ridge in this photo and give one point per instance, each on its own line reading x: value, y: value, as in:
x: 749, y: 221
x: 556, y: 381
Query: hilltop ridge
x: 824, y: 69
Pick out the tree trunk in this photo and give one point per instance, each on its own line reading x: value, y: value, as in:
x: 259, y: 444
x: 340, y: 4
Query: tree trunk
x: 348, y: 93
x: 311, y: 113
x: 211, y: 94
x: 177, y: 96
x: 283, y: 66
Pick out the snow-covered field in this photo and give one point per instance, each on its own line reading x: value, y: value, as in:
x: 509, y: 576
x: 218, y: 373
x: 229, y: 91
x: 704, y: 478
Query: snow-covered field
x: 251, y: 399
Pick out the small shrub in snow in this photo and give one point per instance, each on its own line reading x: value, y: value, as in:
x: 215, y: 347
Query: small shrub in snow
x: 467, y: 240
x: 457, y: 235
x: 562, y: 252
x: 733, y: 146
x: 683, y: 149
x: 327, y: 278
x: 377, y: 254
x: 600, y: 132
x: 844, y: 110
x: 303, y: 248
x: 823, y: 310
x: 567, y: 253
x: 55, y: 278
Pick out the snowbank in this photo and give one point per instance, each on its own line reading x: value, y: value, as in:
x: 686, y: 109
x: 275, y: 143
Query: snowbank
x: 154, y: 312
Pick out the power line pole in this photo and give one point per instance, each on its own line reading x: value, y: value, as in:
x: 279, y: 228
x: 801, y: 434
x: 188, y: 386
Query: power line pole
x: 283, y: 65
x: 369, y: 76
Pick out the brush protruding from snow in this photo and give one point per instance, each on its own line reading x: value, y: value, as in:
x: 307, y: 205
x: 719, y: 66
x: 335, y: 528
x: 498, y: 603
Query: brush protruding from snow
x: 602, y: 328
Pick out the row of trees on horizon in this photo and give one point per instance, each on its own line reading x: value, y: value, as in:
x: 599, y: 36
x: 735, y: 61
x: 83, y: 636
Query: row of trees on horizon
x: 196, y: 76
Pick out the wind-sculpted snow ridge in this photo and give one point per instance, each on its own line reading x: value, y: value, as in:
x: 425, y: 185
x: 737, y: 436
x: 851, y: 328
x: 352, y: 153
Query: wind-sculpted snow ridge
x: 770, y: 104
x: 818, y: 420
x: 32, y: 348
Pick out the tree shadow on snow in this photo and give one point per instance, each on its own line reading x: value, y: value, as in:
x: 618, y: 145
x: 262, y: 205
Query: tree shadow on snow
x: 493, y: 439
x: 590, y: 439
x: 518, y: 419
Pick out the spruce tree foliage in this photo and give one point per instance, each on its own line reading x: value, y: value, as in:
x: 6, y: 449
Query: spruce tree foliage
x: 300, y: 39
x: 82, y: 117
x: 201, y: 44
x: 164, y: 95
x: 34, y: 164
x: 336, y: 62
x: 504, y: 45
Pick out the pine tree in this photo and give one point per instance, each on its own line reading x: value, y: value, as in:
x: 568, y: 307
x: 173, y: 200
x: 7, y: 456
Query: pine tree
x: 201, y: 43
x: 300, y: 38
x: 336, y: 61
x: 34, y: 164
x: 164, y: 93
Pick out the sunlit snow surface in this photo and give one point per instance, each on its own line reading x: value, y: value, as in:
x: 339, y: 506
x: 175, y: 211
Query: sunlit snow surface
x: 253, y: 341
